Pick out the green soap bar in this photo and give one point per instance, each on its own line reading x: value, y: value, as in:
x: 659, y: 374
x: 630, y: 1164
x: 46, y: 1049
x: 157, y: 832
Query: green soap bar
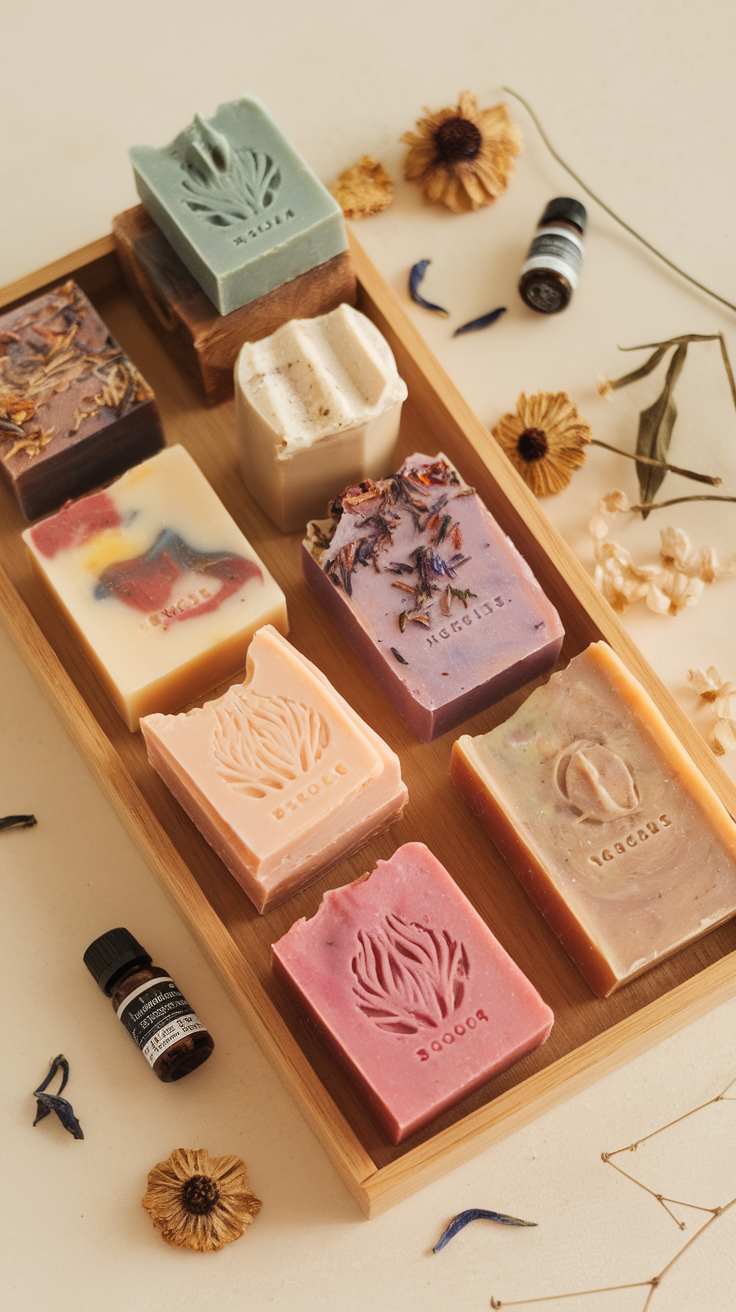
x: 238, y: 204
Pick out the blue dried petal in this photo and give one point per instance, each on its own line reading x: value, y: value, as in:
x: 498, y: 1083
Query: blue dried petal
x: 415, y: 277
x: 484, y: 321
x: 460, y: 1221
x: 17, y: 821
x: 51, y: 1102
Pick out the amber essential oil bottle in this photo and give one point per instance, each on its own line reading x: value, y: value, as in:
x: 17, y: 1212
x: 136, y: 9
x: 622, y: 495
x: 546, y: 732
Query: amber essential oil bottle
x: 147, y: 1002
x: 550, y: 272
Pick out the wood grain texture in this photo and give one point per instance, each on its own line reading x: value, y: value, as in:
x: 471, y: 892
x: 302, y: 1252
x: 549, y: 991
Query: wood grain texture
x: 205, y: 342
x: 590, y: 1036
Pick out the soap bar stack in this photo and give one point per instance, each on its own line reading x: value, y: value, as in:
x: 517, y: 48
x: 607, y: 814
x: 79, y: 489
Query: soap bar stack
x: 281, y: 776
x: 162, y: 589
x: 244, y: 237
x: 599, y: 811
x: 434, y: 597
x: 411, y: 990
x: 317, y: 406
x: 74, y: 410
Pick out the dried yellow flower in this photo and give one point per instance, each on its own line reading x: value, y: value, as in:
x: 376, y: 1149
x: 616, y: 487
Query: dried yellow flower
x: 464, y: 156
x: 199, y: 1201
x: 363, y: 189
x: 545, y: 440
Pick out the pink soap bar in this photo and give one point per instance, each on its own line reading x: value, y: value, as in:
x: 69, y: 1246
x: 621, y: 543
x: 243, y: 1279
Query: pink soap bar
x: 433, y: 596
x: 280, y: 774
x: 411, y: 989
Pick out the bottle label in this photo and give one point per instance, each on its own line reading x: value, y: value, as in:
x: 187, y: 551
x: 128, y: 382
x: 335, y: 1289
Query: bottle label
x: 157, y: 1015
x: 556, y: 249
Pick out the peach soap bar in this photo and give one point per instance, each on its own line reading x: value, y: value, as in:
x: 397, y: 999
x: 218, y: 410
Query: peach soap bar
x: 411, y: 990
x: 317, y: 406
x: 280, y: 775
x: 158, y: 583
x: 436, y: 600
x: 599, y: 811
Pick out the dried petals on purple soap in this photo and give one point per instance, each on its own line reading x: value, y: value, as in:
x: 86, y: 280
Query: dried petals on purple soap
x: 462, y: 1219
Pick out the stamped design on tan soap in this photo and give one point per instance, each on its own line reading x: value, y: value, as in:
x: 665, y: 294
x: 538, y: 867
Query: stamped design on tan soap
x: 222, y: 185
x: 263, y: 743
x: 408, y: 977
x: 594, y: 781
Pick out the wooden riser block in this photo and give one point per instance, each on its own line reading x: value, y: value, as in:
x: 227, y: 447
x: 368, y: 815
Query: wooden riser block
x: 203, y: 341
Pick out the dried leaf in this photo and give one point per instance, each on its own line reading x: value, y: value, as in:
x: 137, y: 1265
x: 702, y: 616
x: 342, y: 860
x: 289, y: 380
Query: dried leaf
x: 648, y: 367
x: 655, y: 430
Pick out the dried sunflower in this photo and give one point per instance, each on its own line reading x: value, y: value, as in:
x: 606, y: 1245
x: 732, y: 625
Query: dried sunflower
x: 363, y: 189
x: 200, y: 1201
x: 463, y: 156
x: 545, y: 440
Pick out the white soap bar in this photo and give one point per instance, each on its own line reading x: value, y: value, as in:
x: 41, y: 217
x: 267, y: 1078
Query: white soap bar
x: 159, y: 584
x: 280, y: 775
x: 317, y: 407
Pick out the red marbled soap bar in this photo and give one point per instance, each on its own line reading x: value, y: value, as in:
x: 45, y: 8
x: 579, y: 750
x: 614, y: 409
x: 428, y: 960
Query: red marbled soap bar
x: 434, y: 597
x: 411, y: 989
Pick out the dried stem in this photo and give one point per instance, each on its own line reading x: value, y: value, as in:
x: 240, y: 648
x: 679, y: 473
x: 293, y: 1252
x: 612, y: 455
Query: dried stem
x: 578, y: 1293
x: 655, y: 1281
x: 659, y: 464
x: 676, y: 501
x: 670, y: 263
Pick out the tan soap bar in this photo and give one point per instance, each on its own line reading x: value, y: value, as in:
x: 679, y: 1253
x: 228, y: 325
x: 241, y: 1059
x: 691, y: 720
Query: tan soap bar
x: 317, y: 407
x: 280, y: 775
x: 599, y: 811
x: 159, y: 584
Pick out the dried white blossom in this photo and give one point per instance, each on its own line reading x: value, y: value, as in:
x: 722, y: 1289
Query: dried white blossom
x: 674, y: 592
x: 710, y: 687
x: 708, y: 684
x: 604, y: 387
x: 669, y: 587
x: 724, y: 737
x: 614, y: 503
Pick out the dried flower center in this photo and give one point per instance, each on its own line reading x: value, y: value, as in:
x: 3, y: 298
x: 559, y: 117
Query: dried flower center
x: 457, y: 139
x: 532, y: 445
x: 200, y: 1195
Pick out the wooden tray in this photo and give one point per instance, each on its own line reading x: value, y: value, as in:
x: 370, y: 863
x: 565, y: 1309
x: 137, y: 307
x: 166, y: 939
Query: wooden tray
x: 590, y: 1036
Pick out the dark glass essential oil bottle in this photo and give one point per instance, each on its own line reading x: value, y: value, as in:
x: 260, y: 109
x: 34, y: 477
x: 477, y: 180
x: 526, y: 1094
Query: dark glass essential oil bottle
x: 549, y: 274
x: 147, y: 1002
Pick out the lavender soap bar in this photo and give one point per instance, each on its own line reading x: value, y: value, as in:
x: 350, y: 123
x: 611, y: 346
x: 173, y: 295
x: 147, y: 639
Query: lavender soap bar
x: 238, y: 204
x: 410, y: 988
x: 433, y: 596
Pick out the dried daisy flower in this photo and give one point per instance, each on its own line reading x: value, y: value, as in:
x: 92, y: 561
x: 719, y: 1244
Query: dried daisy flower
x: 363, y: 189
x: 199, y: 1201
x: 464, y: 156
x: 545, y: 440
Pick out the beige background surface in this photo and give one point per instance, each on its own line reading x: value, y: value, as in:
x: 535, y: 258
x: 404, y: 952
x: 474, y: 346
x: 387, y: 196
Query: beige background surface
x: 639, y: 98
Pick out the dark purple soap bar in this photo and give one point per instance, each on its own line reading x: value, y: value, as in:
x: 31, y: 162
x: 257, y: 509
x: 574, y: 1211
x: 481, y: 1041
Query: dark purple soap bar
x: 74, y: 410
x: 434, y: 597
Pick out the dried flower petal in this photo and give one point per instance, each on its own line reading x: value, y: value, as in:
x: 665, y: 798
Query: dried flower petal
x: 707, y: 683
x: 545, y: 440
x: 675, y: 593
x: 598, y: 527
x: 199, y: 1201
x: 604, y: 387
x: 363, y: 189
x: 613, y: 503
x: 725, y: 703
x: 463, y: 157
x: 724, y: 737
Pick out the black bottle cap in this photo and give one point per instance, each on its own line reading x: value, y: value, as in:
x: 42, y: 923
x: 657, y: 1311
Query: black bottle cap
x: 110, y: 954
x: 570, y: 211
